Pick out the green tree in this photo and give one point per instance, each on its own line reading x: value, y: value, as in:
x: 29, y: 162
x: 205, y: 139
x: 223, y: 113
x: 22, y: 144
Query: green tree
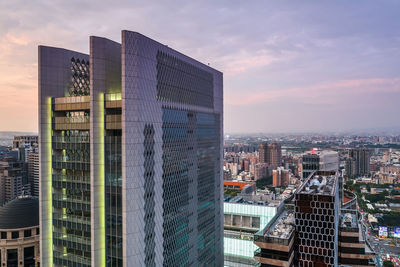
x: 388, y: 264
x: 263, y: 182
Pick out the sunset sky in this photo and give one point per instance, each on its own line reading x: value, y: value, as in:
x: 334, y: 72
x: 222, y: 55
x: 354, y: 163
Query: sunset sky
x: 288, y: 65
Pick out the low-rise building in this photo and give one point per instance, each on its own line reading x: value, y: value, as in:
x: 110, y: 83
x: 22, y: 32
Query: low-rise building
x: 277, y: 240
x: 377, y: 190
x: 262, y: 170
x: 19, y: 230
x: 353, y: 247
x: 237, y: 185
x: 242, y: 219
x: 280, y: 177
x: 23, y: 140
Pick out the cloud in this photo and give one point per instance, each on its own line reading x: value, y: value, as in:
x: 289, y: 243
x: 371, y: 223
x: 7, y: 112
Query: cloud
x: 323, y: 93
x: 270, y: 52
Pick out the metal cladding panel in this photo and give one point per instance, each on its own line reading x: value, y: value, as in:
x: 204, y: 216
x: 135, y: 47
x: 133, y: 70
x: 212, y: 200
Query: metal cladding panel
x: 146, y: 130
x: 54, y: 70
x: 105, y: 77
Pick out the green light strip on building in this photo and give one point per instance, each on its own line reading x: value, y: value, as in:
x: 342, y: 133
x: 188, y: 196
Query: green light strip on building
x: 101, y: 185
x: 49, y: 216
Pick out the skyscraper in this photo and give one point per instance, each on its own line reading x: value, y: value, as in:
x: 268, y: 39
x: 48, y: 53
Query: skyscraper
x: 317, y: 216
x: 316, y: 226
x: 358, y: 162
x: 130, y: 153
x: 270, y: 153
x: 33, y: 172
x: 13, y: 179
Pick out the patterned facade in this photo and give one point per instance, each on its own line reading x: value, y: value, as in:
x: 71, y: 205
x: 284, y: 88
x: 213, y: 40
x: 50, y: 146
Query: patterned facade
x: 316, y: 214
x: 317, y: 226
x: 131, y: 148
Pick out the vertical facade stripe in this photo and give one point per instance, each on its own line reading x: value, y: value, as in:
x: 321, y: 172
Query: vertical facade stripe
x: 49, y: 215
x: 101, y: 189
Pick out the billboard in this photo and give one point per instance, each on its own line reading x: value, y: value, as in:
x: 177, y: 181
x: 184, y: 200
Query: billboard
x: 383, y: 231
x: 396, y: 232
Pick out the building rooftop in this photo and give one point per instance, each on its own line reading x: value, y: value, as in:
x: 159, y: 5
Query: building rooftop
x: 21, y: 212
x: 318, y: 152
x: 240, y: 200
x: 283, y: 226
x: 319, y: 183
x: 348, y: 220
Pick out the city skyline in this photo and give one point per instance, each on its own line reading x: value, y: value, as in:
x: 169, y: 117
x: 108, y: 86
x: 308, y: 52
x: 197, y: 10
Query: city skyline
x: 284, y: 62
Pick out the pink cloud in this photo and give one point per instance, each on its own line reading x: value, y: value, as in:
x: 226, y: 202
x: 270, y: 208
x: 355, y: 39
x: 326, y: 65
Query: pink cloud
x: 327, y: 92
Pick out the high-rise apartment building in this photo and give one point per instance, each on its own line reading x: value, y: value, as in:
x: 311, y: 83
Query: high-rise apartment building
x: 33, y: 172
x: 130, y: 156
x: 358, y: 162
x: 261, y: 170
x: 280, y: 177
x: 324, y: 160
x: 13, y: 179
x: 270, y: 153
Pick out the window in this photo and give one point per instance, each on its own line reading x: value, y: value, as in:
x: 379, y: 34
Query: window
x: 12, y: 257
x: 27, y: 233
x: 3, y: 235
x: 255, y: 222
x: 15, y: 235
x: 29, y: 256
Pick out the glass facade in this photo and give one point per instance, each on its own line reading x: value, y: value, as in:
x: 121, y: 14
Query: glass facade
x: 191, y: 149
x: 181, y: 82
x: 131, y: 165
x: 71, y: 172
x: 149, y: 203
x: 241, y: 221
x: 176, y: 186
x: 189, y: 139
x: 208, y: 162
x: 71, y: 182
x: 113, y: 185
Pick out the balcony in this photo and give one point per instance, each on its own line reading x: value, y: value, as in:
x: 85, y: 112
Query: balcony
x: 72, y: 103
x: 73, y: 182
x: 74, y: 202
x: 72, y: 123
x: 71, y: 142
x: 71, y: 241
x: 72, y: 222
x: 113, y: 100
x: 70, y: 178
x: 65, y: 259
x: 70, y: 198
x: 62, y: 162
x: 113, y: 122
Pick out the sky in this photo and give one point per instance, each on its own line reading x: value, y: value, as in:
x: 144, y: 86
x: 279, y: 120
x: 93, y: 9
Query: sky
x: 289, y: 66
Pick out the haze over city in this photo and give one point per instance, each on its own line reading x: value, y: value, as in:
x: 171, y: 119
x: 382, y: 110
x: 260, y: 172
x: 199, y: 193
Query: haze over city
x: 199, y: 133
x: 298, y: 66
